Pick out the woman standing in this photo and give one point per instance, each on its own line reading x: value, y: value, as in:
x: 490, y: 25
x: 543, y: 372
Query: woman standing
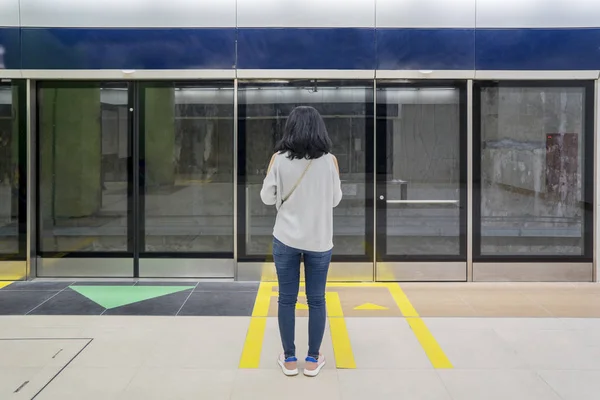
x: 303, y: 183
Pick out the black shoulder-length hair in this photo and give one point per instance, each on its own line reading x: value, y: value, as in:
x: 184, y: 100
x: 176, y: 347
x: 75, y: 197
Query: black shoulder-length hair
x: 305, y: 135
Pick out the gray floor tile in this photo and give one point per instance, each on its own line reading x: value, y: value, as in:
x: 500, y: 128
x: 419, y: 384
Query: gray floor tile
x: 391, y: 384
x: 478, y: 349
x: 219, y: 303
x: 13, y: 378
x: 574, y: 385
x: 115, y: 353
x: 191, y: 344
x: 19, y: 302
x: 175, y: 383
x: 227, y: 286
x: 88, y: 383
x: 388, y: 343
x: 39, y: 285
x: 266, y: 384
x: 496, y: 385
x: 553, y: 349
x: 68, y: 302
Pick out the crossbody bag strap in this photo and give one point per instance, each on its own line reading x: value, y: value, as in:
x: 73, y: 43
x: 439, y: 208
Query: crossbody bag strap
x: 297, y: 183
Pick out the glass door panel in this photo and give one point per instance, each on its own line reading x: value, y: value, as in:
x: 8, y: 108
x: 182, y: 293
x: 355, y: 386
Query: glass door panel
x: 186, y: 179
x: 534, y: 171
x: 421, y: 175
x: 84, y: 179
x: 347, y: 108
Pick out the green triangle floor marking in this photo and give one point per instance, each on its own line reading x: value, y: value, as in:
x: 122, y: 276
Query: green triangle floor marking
x: 117, y: 296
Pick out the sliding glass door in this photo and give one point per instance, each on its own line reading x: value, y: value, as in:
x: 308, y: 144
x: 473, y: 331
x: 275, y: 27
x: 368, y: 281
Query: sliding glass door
x: 135, y: 179
x: 421, y: 181
x: 347, y: 108
x: 186, y: 179
x: 85, y: 179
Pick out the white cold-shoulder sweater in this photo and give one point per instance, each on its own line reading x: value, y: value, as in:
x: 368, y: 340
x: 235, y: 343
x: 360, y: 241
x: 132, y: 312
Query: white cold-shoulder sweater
x: 305, y: 220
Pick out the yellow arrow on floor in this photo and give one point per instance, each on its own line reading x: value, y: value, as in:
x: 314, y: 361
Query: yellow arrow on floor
x: 300, y: 306
x: 370, y: 306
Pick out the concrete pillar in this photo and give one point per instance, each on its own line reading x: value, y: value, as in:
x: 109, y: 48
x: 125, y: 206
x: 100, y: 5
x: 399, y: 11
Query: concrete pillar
x: 71, y: 152
x: 159, y: 130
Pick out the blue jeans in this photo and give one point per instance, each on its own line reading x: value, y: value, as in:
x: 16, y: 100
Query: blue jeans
x: 316, y: 266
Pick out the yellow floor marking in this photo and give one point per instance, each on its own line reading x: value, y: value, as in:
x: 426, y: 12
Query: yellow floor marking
x: 402, y: 301
x: 250, y: 358
x: 342, y: 348
x: 430, y: 345
x: 299, y: 306
x: 370, y: 306
x: 4, y: 284
x: 434, y: 352
x: 263, y: 300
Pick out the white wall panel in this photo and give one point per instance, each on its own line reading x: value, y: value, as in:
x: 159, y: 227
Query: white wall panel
x: 538, y: 13
x: 9, y: 13
x: 127, y: 13
x: 306, y: 13
x: 425, y: 13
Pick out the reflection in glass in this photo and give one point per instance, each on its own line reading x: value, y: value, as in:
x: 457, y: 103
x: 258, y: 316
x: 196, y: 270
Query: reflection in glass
x: 422, y: 141
x: 9, y: 170
x: 532, y: 162
x: 188, y: 168
x: 83, y: 167
x: 344, y: 109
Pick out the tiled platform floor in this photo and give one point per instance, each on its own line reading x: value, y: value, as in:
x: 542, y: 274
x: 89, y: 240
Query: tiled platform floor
x: 237, y: 299
x: 504, y: 341
x: 197, y: 358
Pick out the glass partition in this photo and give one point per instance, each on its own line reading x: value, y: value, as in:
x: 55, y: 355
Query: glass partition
x: 84, y: 168
x: 534, y: 170
x: 186, y: 166
x: 347, y: 108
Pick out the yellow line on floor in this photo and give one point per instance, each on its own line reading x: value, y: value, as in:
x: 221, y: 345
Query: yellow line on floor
x: 251, y: 353
x: 4, y: 284
x: 342, y: 348
x: 434, y: 352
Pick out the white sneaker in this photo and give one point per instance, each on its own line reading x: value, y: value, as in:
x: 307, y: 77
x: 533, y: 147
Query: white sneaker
x: 320, y: 364
x: 282, y: 360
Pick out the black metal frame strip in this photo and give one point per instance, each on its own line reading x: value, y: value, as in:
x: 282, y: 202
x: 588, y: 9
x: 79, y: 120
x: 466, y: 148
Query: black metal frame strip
x: 134, y: 182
